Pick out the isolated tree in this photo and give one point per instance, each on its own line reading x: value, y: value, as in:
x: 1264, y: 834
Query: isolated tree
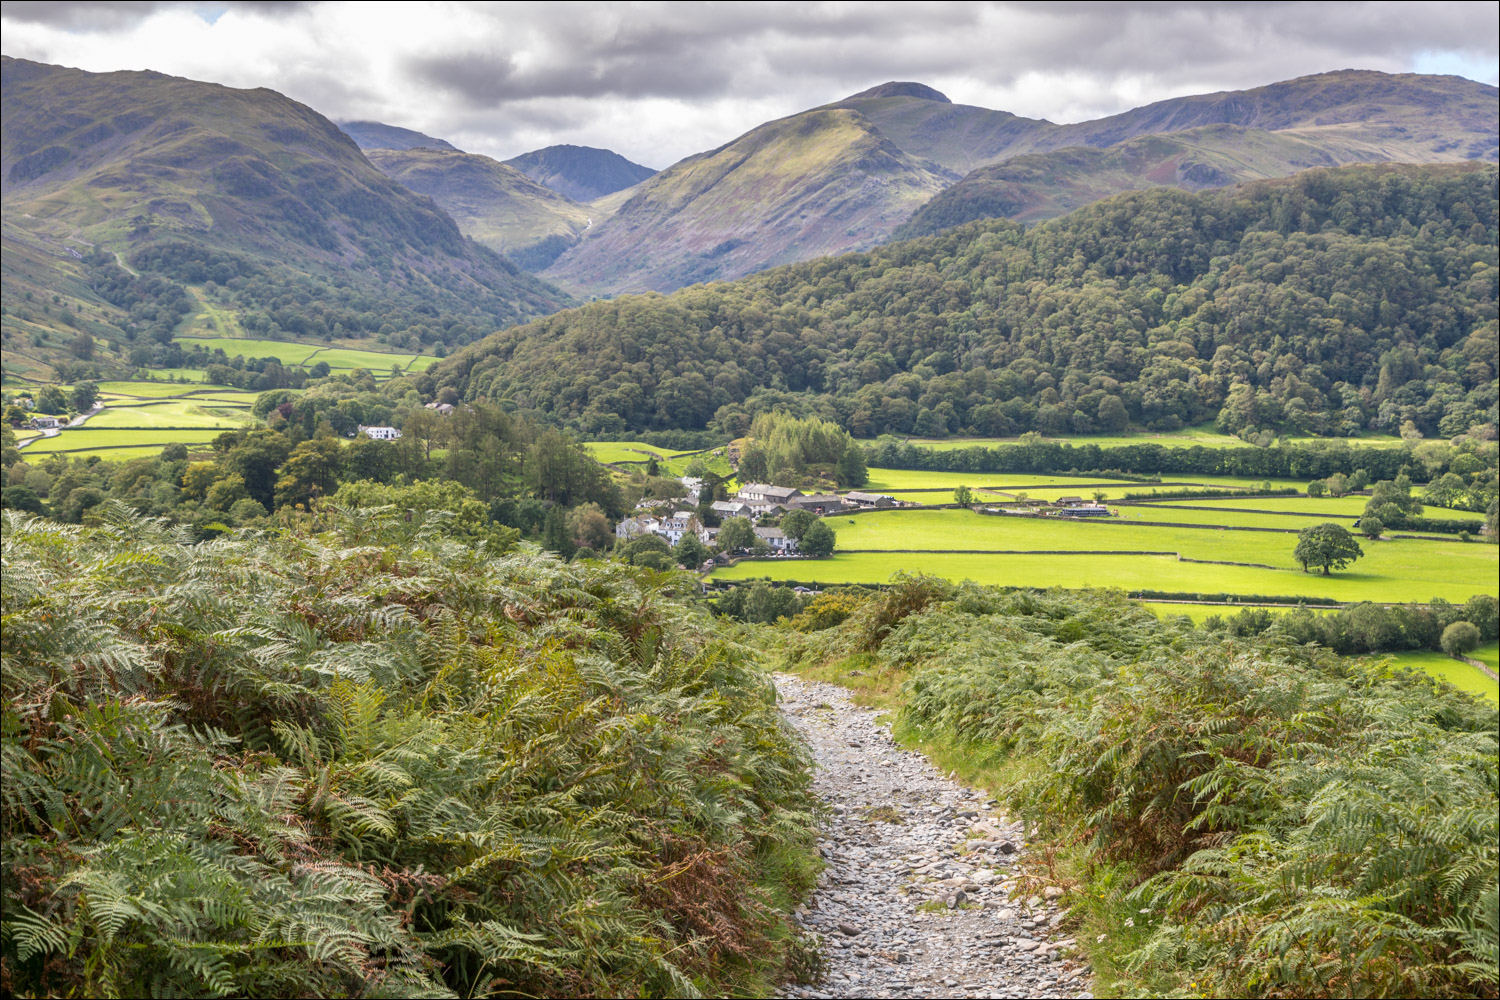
x: 963, y: 495
x: 796, y: 522
x: 1317, y: 488
x: 1459, y: 638
x: 1338, y: 484
x: 1358, y: 480
x: 735, y: 534
x: 1327, y: 545
x: 817, y: 540
x: 1371, y: 526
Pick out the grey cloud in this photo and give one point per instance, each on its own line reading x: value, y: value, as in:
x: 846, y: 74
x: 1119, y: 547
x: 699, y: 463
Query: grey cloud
x: 113, y: 15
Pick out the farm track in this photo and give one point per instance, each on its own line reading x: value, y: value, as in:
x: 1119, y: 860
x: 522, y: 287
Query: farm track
x: 915, y: 901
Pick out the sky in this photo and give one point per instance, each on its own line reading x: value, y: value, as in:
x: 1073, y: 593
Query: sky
x: 659, y: 81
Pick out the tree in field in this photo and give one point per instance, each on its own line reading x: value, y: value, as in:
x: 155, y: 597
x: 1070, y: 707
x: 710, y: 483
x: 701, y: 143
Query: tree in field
x: 817, y: 540
x: 1317, y: 488
x: 1459, y: 638
x: 1327, y: 545
x: 963, y: 495
x: 1371, y: 527
x: 735, y: 534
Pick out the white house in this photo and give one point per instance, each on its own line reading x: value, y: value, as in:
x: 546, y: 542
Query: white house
x: 777, y: 540
x: 379, y: 433
x: 44, y: 423
x: 681, y: 523
x: 694, y: 487
x: 634, y: 527
x: 764, y: 493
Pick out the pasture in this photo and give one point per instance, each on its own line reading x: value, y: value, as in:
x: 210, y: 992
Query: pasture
x: 1463, y: 676
x: 307, y: 355
x: 161, y: 390
x: 106, y: 442
x: 175, y: 414
x: 1043, y: 552
x: 1189, y: 437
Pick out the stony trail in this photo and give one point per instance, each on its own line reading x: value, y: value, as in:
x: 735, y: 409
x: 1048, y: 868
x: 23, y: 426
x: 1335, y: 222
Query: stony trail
x: 915, y: 900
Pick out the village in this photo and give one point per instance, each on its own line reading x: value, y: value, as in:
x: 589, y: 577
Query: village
x: 758, y: 525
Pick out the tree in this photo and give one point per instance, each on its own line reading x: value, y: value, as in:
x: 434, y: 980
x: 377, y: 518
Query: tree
x: 963, y: 495
x: 555, y: 535
x: 736, y: 534
x: 1459, y: 638
x: 1338, y: 484
x: 691, y: 552
x: 1371, y: 526
x: 752, y: 468
x: 1328, y: 545
x: 1113, y: 417
x: 1317, y: 488
x: 311, y: 471
x: 796, y: 522
x: 51, y: 400
x: 818, y: 540
x: 850, y: 471
x: 590, y: 527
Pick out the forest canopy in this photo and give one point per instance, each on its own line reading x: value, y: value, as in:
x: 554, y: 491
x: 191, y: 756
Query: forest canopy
x: 1337, y: 302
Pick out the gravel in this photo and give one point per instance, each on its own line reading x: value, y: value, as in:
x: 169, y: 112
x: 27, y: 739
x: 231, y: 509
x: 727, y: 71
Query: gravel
x: 916, y: 898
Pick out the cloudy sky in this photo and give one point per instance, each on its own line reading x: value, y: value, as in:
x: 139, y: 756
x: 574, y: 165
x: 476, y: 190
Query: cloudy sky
x: 657, y: 81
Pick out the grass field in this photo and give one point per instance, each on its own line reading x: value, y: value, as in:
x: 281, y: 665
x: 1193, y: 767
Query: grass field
x: 1351, y: 506
x: 307, y: 355
x: 1488, y: 655
x: 1406, y: 570
x: 624, y: 451
x: 83, y: 441
x: 1227, y: 518
x: 1461, y: 675
x: 161, y: 390
x: 175, y: 414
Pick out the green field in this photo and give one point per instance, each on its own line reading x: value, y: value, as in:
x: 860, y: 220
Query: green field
x: 1351, y: 506
x: 83, y: 441
x: 161, y: 390
x: 1226, y: 518
x: 1405, y: 570
x: 624, y: 451
x: 175, y: 414
x: 1461, y: 675
x: 1488, y: 655
x: 307, y: 355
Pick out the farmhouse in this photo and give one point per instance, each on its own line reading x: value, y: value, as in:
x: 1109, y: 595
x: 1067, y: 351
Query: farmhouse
x: 1085, y: 510
x: 44, y: 423
x: 763, y: 493
x: 1069, y: 502
x: 443, y: 409
x: 380, y: 433
x: 776, y: 540
x: 869, y: 500
x: 818, y: 503
x: 731, y: 508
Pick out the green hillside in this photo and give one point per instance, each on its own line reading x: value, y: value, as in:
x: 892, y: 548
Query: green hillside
x: 378, y: 135
x: 1336, y: 302
x: 138, y: 199
x: 814, y: 184
x: 494, y: 204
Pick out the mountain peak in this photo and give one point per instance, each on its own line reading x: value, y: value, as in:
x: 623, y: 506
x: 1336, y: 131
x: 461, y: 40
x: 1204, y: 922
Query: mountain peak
x: 378, y: 135
x: 897, y: 88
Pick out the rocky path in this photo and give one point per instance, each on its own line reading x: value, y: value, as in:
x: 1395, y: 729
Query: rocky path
x: 915, y: 900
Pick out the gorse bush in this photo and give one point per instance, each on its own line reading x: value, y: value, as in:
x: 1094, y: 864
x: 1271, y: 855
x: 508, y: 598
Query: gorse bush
x: 363, y: 758
x: 1293, y: 824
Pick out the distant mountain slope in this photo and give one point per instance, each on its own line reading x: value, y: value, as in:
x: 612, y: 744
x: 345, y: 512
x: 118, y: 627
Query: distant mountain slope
x: 582, y: 173
x: 494, y: 204
x: 818, y: 183
x: 378, y: 135
x: 189, y: 181
x: 1043, y: 185
x: 797, y: 188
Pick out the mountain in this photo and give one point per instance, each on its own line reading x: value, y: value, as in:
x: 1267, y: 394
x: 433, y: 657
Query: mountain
x: 378, y: 135
x: 581, y: 173
x: 1043, y: 185
x: 804, y: 185
x: 1369, y: 287
x: 178, y: 192
x: 492, y: 203
x: 817, y: 183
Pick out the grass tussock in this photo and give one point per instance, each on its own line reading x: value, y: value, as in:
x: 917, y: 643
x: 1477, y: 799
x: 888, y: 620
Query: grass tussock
x: 303, y: 765
x: 1230, y: 817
